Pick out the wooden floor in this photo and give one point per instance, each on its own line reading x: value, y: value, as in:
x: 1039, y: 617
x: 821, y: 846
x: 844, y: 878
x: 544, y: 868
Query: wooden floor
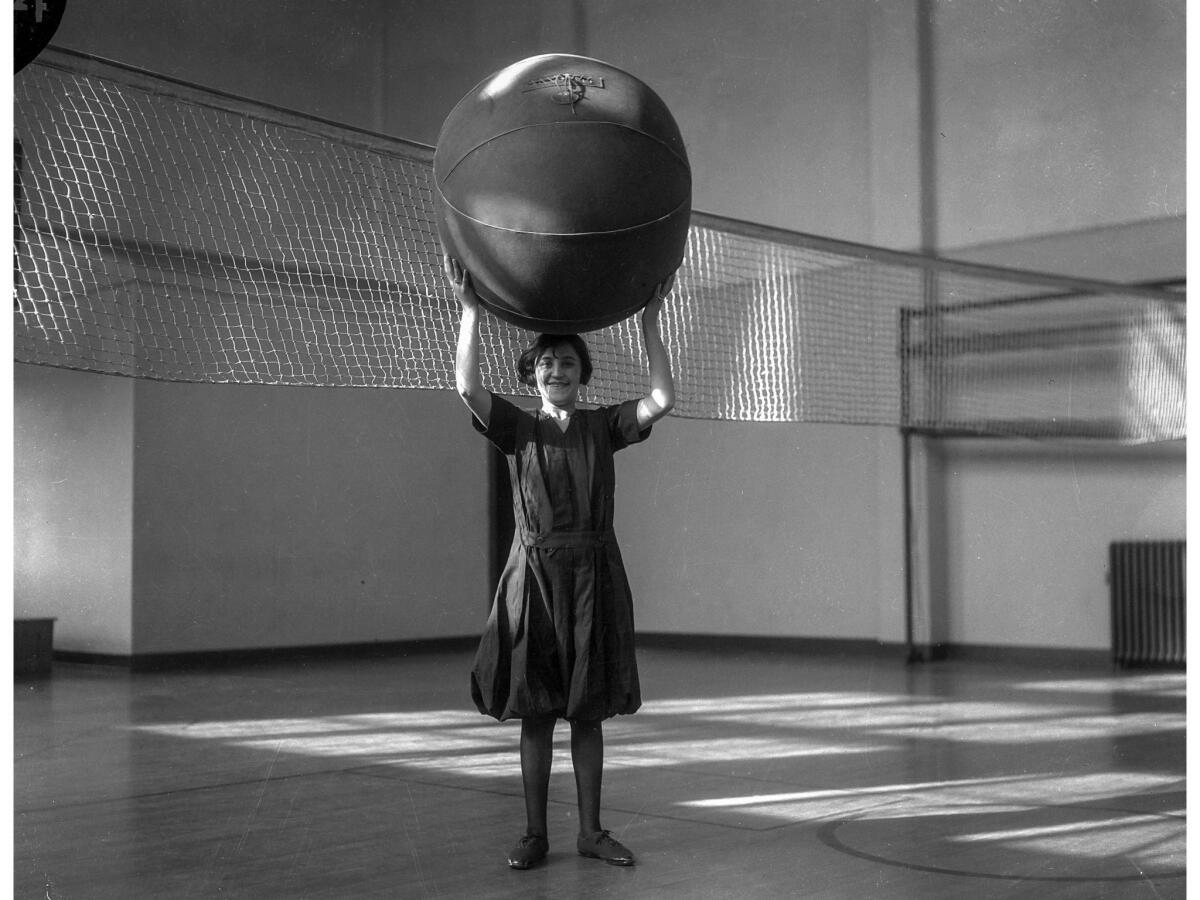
x: 744, y: 776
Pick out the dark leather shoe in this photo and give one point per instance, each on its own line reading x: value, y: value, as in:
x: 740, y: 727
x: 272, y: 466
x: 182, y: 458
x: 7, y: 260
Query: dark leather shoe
x: 602, y: 845
x: 530, y: 850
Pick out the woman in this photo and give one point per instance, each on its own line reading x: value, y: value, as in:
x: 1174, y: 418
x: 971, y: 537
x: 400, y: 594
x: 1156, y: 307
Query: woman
x: 559, y: 639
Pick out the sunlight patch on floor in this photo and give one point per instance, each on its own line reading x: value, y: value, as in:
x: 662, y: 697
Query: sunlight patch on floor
x: 901, y: 714
x: 1070, y: 728
x: 782, y: 726
x: 972, y: 796
x: 1162, y: 684
x: 1046, y: 831
x: 316, y: 725
x: 1153, y: 840
x: 464, y: 744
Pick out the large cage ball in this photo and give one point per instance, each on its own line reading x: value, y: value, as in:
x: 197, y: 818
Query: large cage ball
x: 563, y: 187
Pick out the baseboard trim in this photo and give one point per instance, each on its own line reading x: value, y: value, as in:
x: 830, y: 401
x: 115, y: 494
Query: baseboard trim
x: 217, y: 659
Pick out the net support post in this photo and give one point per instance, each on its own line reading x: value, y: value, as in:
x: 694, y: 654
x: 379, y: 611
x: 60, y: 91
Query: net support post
x: 925, y: 608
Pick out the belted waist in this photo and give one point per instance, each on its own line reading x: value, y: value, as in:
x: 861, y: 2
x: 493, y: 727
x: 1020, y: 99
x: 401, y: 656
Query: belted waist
x: 578, y: 539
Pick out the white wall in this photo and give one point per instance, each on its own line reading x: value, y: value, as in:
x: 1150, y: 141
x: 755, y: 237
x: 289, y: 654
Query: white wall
x: 270, y: 516
x: 767, y: 529
x: 1025, y: 530
x: 1057, y: 116
x: 73, y: 506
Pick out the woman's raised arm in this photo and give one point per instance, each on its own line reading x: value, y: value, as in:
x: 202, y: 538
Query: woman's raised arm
x: 661, y: 398
x: 467, y: 377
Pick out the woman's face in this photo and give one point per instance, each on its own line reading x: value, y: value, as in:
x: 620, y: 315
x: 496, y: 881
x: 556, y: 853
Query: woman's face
x: 557, y: 373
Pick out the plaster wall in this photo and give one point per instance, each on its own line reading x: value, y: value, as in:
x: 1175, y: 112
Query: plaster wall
x: 73, y: 506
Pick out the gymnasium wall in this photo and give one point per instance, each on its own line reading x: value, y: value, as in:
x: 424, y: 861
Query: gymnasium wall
x: 1023, y: 533
x: 268, y: 516
x: 770, y: 529
x: 73, y: 506
x: 1060, y: 147
x: 1057, y: 117
x: 802, y: 115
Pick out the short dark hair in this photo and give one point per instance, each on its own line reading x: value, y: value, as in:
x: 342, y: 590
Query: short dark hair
x: 527, y: 361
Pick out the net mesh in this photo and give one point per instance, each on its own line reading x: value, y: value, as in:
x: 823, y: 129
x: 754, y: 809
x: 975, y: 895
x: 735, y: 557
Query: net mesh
x: 167, y: 232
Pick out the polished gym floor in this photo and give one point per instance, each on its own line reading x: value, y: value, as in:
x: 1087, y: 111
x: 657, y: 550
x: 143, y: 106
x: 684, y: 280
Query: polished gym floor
x: 744, y: 775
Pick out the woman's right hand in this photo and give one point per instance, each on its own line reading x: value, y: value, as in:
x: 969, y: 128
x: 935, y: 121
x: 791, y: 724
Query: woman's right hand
x: 652, y: 308
x: 460, y: 282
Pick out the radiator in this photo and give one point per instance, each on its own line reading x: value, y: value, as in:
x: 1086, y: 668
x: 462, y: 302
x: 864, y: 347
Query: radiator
x: 1147, y: 587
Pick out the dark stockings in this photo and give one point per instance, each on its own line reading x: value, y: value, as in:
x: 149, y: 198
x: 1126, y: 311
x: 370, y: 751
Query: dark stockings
x: 537, y: 751
x: 587, y: 756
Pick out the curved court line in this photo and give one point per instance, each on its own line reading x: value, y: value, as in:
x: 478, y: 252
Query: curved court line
x: 827, y: 834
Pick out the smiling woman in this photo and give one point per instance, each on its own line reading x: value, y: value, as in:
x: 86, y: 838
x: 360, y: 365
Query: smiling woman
x: 559, y: 640
x: 558, y: 366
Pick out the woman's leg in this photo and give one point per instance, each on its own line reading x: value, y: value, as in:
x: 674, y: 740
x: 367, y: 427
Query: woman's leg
x: 537, y: 752
x: 587, y: 755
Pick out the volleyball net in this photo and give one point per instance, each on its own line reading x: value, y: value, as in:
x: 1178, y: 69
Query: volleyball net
x: 168, y: 232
